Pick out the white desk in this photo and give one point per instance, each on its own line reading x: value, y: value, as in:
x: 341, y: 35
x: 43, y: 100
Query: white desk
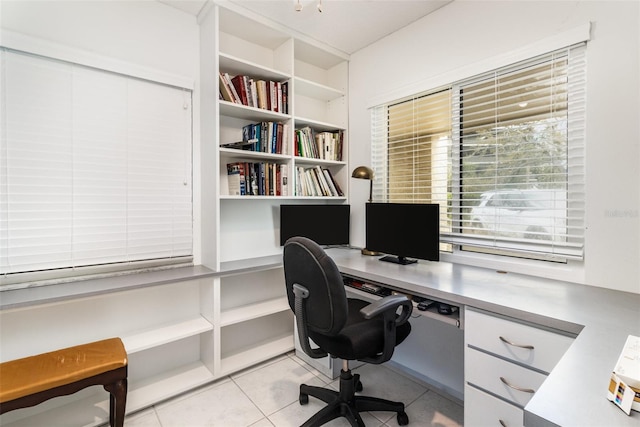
x: 574, y: 394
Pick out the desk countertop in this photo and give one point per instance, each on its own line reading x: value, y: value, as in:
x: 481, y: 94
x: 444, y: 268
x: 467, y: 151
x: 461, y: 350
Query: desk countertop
x: 574, y: 394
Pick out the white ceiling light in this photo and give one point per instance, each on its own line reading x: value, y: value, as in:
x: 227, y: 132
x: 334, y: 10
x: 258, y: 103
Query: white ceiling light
x: 299, y: 6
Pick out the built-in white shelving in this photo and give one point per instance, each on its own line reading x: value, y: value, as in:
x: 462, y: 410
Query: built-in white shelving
x: 166, y: 334
x: 253, y: 311
x: 181, y: 334
x: 316, y: 90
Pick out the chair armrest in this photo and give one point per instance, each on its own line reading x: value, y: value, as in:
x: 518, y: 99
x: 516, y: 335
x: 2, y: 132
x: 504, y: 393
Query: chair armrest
x: 387, y: 308
x: 391, y: 302
x: 301, y: 294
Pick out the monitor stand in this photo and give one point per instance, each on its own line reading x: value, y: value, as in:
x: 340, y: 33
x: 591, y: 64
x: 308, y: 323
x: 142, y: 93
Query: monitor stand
x: 398, y: 259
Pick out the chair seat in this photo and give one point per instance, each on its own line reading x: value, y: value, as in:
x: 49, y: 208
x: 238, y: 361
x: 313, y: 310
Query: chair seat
x: 360, y: 337
x: 30, y: 375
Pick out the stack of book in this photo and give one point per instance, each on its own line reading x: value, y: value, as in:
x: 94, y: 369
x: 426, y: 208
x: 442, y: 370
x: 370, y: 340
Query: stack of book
x: 265, y: 94
x: 257, y: 179
x: 265, y: 137
x: 316, y: 181
x: 318, y: 145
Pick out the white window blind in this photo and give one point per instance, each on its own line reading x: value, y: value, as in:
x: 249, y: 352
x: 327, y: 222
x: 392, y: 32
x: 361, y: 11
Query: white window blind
x: 95, y: 167
x: 411, y: 151
x: 512, y: 158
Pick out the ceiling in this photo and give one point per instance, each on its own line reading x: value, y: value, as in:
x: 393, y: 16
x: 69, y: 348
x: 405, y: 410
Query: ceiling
x: 347, y: 25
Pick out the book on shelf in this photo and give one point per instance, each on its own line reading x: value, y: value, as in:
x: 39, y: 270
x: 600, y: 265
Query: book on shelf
x: 253, y: 94
x: 241, y: 145
x: 233, y: 178
x: 332, y: 186
x: 265, y: 94
x: 316, y: 181
x: 265, y: 137
x: 261, y: 94
x: 336, y: 186
x: 240, y: 83
x: 318, y: 145
x: 284, y: 180
x: 273, y: 96
x: 285, y: 97
x: 232, y: 89
x: 258, y: 179
x: 225, y: 90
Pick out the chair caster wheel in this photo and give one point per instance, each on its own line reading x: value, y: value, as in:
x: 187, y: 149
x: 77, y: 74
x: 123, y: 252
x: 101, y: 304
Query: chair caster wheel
x: 403, y: 418
x: 358, y: 386
x: 304, y: 399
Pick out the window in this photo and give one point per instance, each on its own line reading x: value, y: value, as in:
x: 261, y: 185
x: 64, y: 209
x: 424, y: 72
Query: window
x: 502, y: 153
x: 95, y: 170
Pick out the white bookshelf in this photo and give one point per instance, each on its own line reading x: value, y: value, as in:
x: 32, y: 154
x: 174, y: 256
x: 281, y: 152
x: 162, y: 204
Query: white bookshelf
x: 166, y: 330
x: 235, y: 42
x: 253, y: 321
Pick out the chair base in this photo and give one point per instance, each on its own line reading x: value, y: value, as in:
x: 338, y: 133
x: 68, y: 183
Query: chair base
x: 345, y: 403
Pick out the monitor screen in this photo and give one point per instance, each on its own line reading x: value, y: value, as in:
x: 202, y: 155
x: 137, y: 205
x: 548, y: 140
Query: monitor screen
x: 325, y: 224
x: 404, y: 231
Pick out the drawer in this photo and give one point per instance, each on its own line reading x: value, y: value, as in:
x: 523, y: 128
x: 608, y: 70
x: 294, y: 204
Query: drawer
x: 488, y: 372
x: 483, y: 410
x: 526, y: 344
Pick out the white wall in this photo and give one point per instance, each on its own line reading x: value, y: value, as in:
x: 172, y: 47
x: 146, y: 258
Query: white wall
x: 464, y: 34
x: 144, y: 35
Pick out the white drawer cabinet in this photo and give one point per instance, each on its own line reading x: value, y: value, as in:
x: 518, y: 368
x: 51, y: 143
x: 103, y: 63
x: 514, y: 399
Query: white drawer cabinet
x: 505, y: 379
x: 483, y: 410
x: 506, y: 361
x: 522, y: 343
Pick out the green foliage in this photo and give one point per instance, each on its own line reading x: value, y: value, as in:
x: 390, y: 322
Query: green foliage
x: 521, y: 156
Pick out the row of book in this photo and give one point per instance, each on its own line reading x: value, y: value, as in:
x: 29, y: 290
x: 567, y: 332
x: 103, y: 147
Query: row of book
x: 257, y: 179
x: 265, y: 94
x: 319, y: 145
x: 315, y: 181
x: 265, y: 137
x: 271, y: 179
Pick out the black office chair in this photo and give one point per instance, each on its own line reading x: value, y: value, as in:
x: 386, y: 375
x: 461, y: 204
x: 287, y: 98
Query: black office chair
x: 349, y: 329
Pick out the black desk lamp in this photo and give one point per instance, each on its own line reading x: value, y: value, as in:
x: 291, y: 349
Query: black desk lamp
x: 364, y: 172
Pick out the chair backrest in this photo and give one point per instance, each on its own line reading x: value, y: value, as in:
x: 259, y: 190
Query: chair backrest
x: 307, y: 264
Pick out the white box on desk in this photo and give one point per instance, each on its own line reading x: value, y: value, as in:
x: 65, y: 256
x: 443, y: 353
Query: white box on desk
x: 627, y: 369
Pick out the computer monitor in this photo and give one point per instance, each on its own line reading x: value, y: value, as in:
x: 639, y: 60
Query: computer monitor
x: 404, y: 231
x: 327, y: 225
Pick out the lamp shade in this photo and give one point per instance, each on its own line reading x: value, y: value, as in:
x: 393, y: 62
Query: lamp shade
x: 362, y: 172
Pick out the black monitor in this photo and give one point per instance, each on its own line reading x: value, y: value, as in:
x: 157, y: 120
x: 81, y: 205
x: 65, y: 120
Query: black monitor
x: 404, y: 230
x: 327, y: 225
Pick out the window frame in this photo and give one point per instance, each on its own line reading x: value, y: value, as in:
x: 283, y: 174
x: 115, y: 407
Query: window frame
x: 460, y: 245
x: 80, y: 61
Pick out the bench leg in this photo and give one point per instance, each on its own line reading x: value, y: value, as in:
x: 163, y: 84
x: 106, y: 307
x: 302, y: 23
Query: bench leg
x: 117, y: 402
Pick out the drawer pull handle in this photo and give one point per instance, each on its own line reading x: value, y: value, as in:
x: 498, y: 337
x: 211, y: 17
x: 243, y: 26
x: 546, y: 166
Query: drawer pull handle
x: 506, y: 341
x: 524, y: 390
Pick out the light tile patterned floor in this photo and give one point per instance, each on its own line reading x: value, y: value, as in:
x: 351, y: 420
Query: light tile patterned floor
x: 267, y: 396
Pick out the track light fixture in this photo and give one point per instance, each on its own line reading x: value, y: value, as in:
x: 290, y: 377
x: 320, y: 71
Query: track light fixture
x: 298, y: 6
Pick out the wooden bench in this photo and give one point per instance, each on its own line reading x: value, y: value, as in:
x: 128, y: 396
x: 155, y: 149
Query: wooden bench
x: 32, y: 380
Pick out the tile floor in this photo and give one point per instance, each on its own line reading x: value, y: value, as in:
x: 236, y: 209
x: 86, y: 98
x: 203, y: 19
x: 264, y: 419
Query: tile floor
x: 267, y: 396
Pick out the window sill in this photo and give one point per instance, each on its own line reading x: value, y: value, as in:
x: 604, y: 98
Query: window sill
x: 29, y: 295
x: 571, y: 271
